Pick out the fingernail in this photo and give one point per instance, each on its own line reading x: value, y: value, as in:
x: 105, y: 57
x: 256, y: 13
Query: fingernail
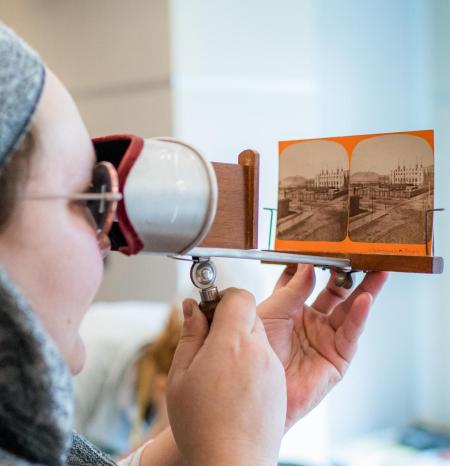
x: 187, y: 310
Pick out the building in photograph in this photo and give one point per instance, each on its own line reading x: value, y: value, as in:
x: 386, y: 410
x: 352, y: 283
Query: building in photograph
x: 412, y: 174
x: 336, y: 178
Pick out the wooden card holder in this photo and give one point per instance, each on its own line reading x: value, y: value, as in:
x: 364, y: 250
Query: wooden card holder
x: 236, y: 222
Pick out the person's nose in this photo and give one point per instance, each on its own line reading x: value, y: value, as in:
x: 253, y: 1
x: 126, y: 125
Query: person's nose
x: 104, y: 244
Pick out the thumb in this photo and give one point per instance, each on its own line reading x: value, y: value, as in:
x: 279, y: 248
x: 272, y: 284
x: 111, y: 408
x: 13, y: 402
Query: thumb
x: 193, y: 334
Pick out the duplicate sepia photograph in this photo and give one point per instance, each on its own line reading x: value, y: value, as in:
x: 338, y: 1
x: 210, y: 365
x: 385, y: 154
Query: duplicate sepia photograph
x: 313, y: 192
x: 391, y: 190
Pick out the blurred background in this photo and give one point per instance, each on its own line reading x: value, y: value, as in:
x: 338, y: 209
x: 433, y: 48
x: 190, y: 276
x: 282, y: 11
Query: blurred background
x: 231, y: 75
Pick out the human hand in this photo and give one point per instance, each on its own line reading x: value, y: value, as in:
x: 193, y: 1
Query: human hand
x: 315, y: 343
x: 226, y: 391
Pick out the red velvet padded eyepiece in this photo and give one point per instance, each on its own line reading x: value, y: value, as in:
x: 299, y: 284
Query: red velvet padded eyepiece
x: 121, y: 150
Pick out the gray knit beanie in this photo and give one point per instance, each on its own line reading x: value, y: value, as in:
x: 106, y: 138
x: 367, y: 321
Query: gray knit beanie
x: 22, y: 75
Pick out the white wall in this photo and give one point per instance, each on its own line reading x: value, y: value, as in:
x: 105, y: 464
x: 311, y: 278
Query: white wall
x: 248, y: 74
x: 435, y: 370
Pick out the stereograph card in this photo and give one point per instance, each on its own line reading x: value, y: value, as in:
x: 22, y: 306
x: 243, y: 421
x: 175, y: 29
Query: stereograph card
x: 357, y: 194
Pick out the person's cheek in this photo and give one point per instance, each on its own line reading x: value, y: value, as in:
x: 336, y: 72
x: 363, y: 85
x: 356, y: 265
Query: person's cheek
x: 90, y: 252
x: 87, y: 275
x: 85, y: 264
x: 91, y: 258
x: 79, y: 274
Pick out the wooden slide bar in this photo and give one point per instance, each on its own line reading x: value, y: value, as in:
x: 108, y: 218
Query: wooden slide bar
x: 386, y: 262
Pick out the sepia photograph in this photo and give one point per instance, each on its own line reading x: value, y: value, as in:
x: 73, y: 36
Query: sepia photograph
x: 313, y: 192
x: 391, y: 190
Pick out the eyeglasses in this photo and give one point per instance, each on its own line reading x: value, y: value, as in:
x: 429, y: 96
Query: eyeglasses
x: 101, y: 199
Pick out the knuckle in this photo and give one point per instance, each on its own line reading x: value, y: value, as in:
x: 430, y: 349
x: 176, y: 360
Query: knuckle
x: 246, y: 297
x: 243, y: 297
x: 230, y: 290
x: 238, y: 292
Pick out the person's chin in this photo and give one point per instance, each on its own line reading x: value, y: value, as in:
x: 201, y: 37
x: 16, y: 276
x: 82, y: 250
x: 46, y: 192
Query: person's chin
x: 78, y: 356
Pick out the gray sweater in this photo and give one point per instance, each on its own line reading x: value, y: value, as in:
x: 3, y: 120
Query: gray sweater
x: 36, y: 404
